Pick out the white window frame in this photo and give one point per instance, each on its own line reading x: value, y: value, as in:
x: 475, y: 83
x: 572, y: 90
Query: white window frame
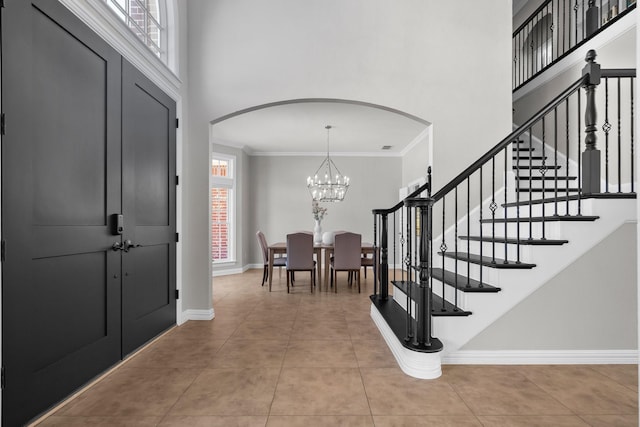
x: 229, y: 183
x: 124, y: 17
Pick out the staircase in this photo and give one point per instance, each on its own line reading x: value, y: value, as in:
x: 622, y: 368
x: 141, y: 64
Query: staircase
x: 504, y: 226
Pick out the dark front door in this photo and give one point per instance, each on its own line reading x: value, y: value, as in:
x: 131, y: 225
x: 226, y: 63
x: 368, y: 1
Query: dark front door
x: 60, y: 181
x: 86, y: 137
x: 148, y: 199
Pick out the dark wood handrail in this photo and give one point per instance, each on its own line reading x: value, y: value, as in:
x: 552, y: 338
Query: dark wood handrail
x: 509, y: 139
x: 619, y: 72
x: 610, y: 72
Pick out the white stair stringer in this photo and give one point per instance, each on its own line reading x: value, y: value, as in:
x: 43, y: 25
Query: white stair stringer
x: 516, y: 284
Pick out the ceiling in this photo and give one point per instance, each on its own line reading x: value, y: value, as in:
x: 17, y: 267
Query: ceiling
x: 299, y: 128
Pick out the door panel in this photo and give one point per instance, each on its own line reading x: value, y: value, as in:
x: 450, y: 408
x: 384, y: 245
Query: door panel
x: 61, y: 178
x: 148, y: 205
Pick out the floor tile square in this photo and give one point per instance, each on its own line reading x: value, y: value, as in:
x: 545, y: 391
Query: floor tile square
x: 320, y: 354
x: 320, y: 391
x: 229, y: 392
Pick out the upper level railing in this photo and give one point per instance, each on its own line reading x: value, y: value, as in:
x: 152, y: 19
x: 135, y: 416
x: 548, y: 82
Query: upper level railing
x: 538, y: 174
x: 557, y: 28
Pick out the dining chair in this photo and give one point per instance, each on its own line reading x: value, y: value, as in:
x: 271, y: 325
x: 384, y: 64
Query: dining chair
x: 347, y: 251
x: 277, y: 261
x: 300, y: 256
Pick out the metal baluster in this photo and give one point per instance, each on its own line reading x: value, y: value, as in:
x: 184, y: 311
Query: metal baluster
x: 567, y: 154
x: 517, y: 207
x: 543, y: 171
x: 575, y: 27
x: 468, y: 232
x: 631, y: 88
x: 408, y: 264
x: 619, y: 142
x: 606, y: 127
x: 443, y: 248
x: 531, y: 182
x: 480, y: 222
x: 555, y: 158
x: 456, y: 247
x: 504, y: 211
x: 395, y: 258
x: 564, y: 23
x: 493, y: 206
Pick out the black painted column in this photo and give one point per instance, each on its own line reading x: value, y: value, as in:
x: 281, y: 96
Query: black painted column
x: 591, y: 155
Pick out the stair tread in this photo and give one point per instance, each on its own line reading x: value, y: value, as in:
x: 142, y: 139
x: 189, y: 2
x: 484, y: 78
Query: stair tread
x: 547, y: 178
x: 536, y: 166
x: 523, y: 158
x: 572, y: 197
x: 437, y: 302
x: 523, y: 149
x: 549, y: 218
x: 487, y: 261
x: 396, y: 318
x: 547, y: 190
x: 532, y: 242
x: 449, y: 277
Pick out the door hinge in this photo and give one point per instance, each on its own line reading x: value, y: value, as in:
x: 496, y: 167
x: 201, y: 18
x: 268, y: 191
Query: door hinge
x: 2, y: 122
x: 177, y: 180
x: 3, y: 380
x: 177, y: 237
x: 177, y: 293
x: 177, y: 123
x: 1, y: 3
x: 3, y: 250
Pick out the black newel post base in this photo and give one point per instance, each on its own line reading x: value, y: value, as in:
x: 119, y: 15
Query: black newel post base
x: 591, y: 172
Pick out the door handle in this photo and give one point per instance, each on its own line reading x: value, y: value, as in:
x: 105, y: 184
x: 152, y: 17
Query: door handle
x: 117, y: 246
x: 128, y: 244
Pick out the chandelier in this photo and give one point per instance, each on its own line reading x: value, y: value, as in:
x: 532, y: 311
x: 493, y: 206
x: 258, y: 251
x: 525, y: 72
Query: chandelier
x: 328, y: 184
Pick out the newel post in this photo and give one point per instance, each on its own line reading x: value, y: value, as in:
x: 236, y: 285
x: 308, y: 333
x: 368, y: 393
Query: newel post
x: 591, y: 155
x: 592, y: 24
x: 384, y: 253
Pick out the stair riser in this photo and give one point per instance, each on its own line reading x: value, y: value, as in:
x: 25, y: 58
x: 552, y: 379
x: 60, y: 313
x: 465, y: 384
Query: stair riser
x: 551, y: 229
x: 487, y: 250
x: 549, y: 209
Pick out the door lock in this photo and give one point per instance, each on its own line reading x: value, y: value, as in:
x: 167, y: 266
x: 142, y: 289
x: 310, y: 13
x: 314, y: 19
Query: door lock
x: 128, y: 244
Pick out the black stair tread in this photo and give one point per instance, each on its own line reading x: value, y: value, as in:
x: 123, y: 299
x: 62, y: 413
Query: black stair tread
x: 532, y: 242
x: 396, y: 318
x: 449, y: 277
x: 487, y: 261
x: 437, y: 307
x: 527, y: 158
x: 550, y: 218
x: 571, y: 197
x: 536, y: 166
x: 547, y: 190
x: 546, y: 178
x: 523, y: 149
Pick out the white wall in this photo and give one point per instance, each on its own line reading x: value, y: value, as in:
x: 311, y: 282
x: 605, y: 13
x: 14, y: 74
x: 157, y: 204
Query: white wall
x: 280, y: 201
x: 416, y: 160
x: 244, y: 53
x: 582, y: 308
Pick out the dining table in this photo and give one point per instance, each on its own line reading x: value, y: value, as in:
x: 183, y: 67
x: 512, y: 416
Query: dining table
x: 322, y: 262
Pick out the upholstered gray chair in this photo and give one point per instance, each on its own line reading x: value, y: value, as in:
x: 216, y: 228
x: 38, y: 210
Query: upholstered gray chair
x: 277, y: 261
x: 300, y: 256
x: 347, y: 252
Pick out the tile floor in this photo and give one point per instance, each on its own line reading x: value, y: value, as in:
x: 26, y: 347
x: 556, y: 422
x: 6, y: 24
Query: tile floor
x: 315, y: 360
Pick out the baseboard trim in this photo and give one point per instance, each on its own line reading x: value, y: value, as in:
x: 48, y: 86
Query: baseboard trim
x: 415, y: 364
x: 229, y: 271
x: 207, y: 314
x: 541, y: 357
